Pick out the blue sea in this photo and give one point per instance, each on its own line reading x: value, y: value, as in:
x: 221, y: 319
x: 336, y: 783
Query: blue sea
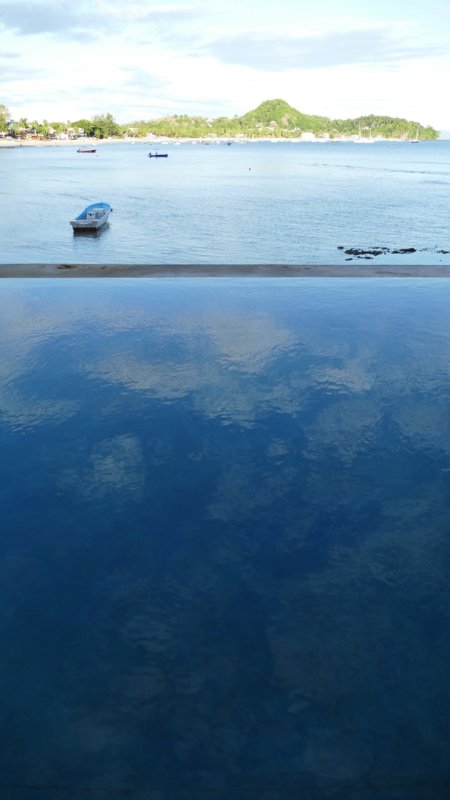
x: 258, y: 202
x: 225, y: 536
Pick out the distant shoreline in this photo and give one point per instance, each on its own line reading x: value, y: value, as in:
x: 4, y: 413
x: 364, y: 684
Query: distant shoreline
x: 85, y: 141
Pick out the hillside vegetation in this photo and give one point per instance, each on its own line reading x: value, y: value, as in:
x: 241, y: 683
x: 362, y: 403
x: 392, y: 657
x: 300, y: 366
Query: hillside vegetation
x: 273, y: 118
x: 276, y: 118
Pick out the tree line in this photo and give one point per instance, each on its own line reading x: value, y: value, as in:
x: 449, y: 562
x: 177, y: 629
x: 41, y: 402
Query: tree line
x: 273, y: 118
x: 100, y: 126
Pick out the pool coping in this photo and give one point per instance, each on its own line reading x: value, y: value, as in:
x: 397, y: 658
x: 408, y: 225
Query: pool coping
x: 106, y: 270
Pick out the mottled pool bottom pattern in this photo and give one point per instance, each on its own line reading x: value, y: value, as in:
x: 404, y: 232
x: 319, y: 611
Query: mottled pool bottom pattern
x: 225, y: 539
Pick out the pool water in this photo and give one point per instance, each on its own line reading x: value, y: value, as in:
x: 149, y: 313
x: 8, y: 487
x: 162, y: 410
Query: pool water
x: 225, y: 538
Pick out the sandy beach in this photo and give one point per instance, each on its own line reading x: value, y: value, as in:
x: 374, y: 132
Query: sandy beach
x: 90, y: 141
x: 9, y: 143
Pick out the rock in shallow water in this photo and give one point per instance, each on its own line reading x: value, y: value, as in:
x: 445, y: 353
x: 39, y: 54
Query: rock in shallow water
x: 372, y: 252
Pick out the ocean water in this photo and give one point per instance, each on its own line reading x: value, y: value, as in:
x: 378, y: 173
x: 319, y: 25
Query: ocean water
x: 225, y: 539
x: 246, y: 203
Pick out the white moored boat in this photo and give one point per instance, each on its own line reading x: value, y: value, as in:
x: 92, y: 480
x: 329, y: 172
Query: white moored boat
x: 92, y: 218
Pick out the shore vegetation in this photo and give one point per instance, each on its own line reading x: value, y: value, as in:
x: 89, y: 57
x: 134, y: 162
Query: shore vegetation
x: 272, y: 119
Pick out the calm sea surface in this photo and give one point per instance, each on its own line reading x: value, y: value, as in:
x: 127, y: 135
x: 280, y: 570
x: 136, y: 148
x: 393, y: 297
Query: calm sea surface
x: 255, y: 202
x: 225, y: 537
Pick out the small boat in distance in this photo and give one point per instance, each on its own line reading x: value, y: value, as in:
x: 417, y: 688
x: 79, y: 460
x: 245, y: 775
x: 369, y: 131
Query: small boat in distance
x: 158, y: 155
x: 92, y: 218
x: 86, y: 150
x: 416, y: 140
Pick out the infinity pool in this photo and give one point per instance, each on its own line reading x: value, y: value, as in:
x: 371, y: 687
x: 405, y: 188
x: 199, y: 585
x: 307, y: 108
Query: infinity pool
x: 225, y: 539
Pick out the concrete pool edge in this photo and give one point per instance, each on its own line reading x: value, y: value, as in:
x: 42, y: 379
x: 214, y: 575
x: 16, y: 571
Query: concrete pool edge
x: 74, y: 270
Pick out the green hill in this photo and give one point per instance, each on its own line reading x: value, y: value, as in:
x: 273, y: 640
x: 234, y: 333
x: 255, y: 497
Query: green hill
x: 277, y: 119
x: 273, y: 114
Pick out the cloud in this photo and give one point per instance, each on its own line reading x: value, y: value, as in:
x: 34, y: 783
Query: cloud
x: 137, y: 79
x: 13, y: 72
x: 19, y: 412
x: 33, y: 18
x: 116, y: 466
x: 86, y: 20
x: 115, y: 471
x: 168, y: 14
x: 237, y: 346
x: 370, y: 46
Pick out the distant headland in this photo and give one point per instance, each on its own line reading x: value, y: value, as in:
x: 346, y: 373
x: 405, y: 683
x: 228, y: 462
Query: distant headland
x: 273, y: 119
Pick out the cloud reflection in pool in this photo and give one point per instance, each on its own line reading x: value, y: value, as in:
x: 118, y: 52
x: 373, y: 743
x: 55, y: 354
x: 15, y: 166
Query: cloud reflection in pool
x: 225, y: 536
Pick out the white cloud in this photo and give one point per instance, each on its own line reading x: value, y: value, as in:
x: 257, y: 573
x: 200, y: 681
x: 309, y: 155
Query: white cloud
x: 278, y: 53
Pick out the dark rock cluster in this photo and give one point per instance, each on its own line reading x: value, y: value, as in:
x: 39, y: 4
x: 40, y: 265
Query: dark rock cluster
x: 372, y: 252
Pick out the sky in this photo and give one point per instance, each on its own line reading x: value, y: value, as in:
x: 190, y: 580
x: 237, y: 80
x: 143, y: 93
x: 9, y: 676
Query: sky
x: 140, y: 59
